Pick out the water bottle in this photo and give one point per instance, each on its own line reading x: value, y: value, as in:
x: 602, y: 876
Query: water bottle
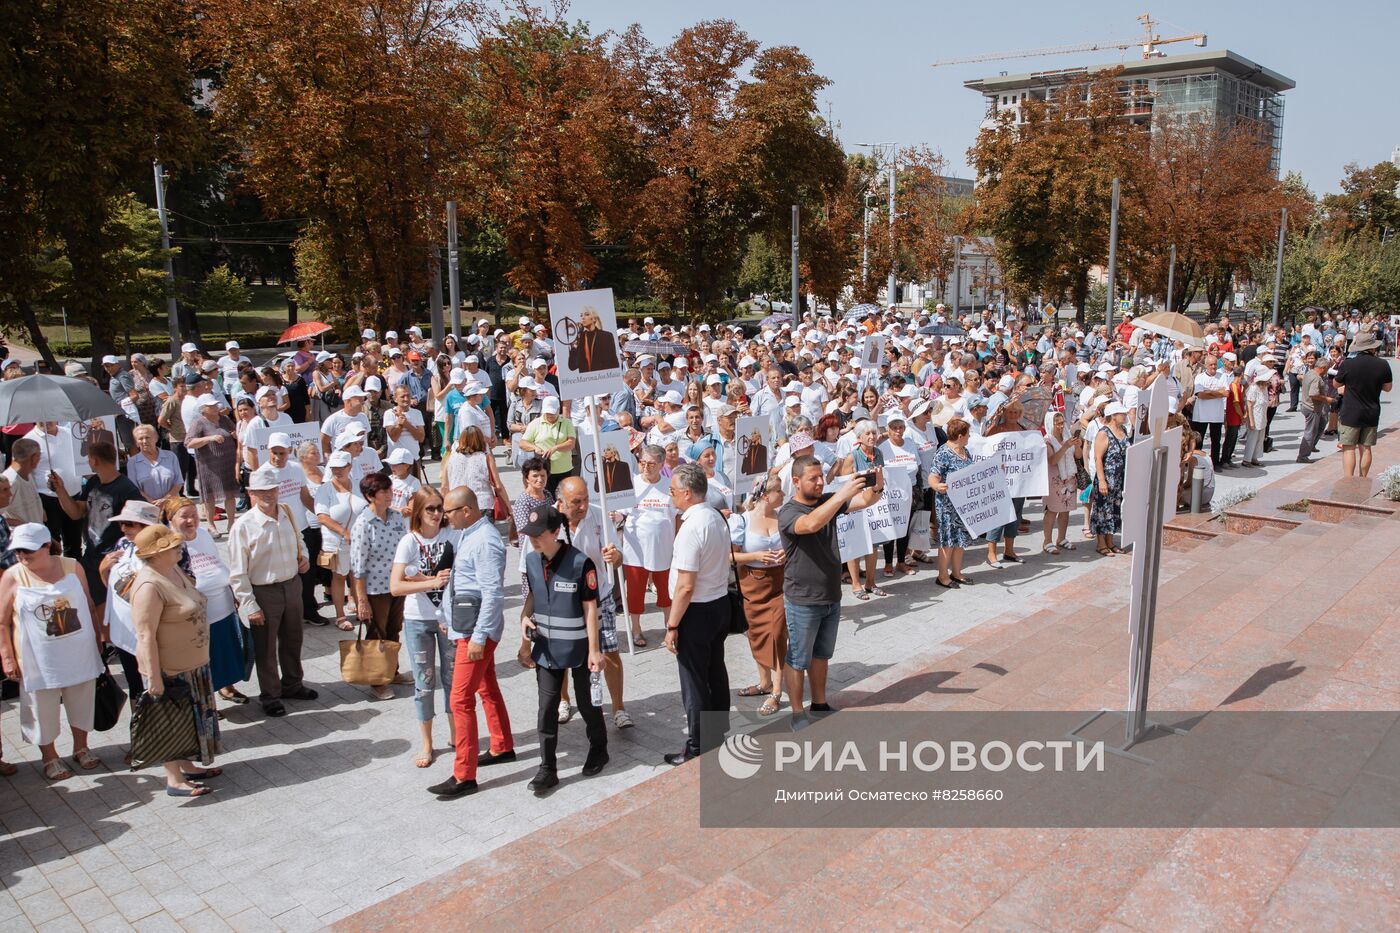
x: 595, y: 688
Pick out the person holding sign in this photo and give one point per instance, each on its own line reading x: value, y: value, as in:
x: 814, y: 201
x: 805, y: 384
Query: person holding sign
x: 1062, y: 468
x: 594, y: 349
x: 953, y: 536
x: 1006, y: 420
x: 755, y: 459
x: 865, y: 458
x: 648, y: 536
x: 900, y: 453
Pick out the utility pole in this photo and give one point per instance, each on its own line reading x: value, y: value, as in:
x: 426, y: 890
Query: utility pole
x: 796, y: 286
x: 171, y: 311
x: 435, y: 298
x: 454, y: 288
x: 1112, y: 258
x: 894, y: 163
x: 1278, y: 262
x: 957, y: 275
x: 1171, y: 277
x: 865, y: 245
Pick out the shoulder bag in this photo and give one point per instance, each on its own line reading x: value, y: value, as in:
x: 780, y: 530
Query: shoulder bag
x: 371, y: 662
x: 738, y: 619
x: 163, y: 728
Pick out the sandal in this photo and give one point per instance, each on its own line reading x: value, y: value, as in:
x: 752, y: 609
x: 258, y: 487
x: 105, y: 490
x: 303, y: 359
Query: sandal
x: 876, y: 591
x: 1105, y: 551
x: 232, y: 695
x: 860, y: 594
x: 889, y: 571
x: 424, y: 761
x: 86, y: 759
x: 1065, y: 545
x: 194, y: 790
x: 964, y: 581
x: 7, y: 769
x: 639, y: 640
x: 753, y: 691
x: 906, y: 568
x: 950, y: 585
x: 56, y: 770
x: 769, y: 707
x: 1050, y: 549
x: 343, y: 623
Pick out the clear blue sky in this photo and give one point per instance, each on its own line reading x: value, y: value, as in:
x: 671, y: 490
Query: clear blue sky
x: 1341, y: 53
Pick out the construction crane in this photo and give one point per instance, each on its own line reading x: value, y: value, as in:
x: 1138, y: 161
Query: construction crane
x: 1148, y: 43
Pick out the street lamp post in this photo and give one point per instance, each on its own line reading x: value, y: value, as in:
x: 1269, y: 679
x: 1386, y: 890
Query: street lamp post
x: 172, y: 313
x: 1171, y: 276
x: 454, y: 288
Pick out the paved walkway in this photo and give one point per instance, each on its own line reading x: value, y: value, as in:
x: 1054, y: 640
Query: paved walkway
x: 322, y: 814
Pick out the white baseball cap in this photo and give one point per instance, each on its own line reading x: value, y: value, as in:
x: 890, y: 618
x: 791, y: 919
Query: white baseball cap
x: 338, y: 459
x: 231, y: 345
x: 549, y: 405
x: 525, y: 382
x: 391, y: 335
x: 671, y: 398
x: 473, y: 358
x: 367, y: 334
x: 457, y: 376
x: 188, y: 348
x: 473, y: 387
x: 280, y: 439
x: 537, y: 362
x: 648, y: 320
x: 713, y: 380
x: 374, y: 384
x: 264, y: 477
x: 352, y: 392
x: 400, y: 457
x: 110, y: 360
x: 524, y: 322
x: 204, y: 401
x: 31, y: 536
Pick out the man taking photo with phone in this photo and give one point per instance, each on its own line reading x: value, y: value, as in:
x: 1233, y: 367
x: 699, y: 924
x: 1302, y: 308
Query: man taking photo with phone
x: 812, y: 572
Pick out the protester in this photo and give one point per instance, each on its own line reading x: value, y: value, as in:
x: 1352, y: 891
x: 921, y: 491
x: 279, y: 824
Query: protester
x: 551, y: 438
x: 1062, y: 468
x: 648, y: 538
x: 953, y: 536
x: 211, y: 576
x: 172, y: 633
x: 865, y: 458
x: 758, y: 553
x: 374, y: 539
x: 155, y: 472
x: 266, y: 560
x: 1110, y: 459
x: 43, y: 599
x: 338, y: 504
x: 211, y: 437
x: 1361, y: 379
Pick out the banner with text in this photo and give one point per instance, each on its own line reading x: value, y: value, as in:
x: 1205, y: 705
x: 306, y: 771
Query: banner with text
x: 1022, y: 455
x: 584, y: 327
x: 981, y: 496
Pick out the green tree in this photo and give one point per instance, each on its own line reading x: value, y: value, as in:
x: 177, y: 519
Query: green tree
x: 764, y: 270
x: 86, y: 90
x: 223, y: 291
x: 1367, y: 204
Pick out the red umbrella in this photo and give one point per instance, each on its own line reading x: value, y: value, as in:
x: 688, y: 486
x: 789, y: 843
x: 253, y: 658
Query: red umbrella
x: 306, y: 330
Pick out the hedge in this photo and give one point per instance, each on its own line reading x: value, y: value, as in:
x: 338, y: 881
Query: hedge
x: 160, y: 343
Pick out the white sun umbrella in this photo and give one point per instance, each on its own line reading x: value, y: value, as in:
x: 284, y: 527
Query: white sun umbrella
x: 1174, y: 326
x: 41, y: 398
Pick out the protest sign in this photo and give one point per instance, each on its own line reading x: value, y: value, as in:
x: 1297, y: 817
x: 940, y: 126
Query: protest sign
x: 754, y: 437
x: 255, y: 438
x: 872, y: 351
x: 981, y: 496
x: 853, y: 535
x: 616, y: 465
x: 1022, y: 455
x: 1137, y: 483
x: 899, y: 494
x: 584, y: 326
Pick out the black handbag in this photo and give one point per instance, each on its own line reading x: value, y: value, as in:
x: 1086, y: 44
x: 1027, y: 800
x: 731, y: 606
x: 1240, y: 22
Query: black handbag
x: 108, y: 702
x: 162, y: 728
x: 250, y: 652
x: 738, y: 620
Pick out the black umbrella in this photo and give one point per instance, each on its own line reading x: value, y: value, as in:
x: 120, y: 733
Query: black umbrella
x: 941, y: 330
x: 53, y: 398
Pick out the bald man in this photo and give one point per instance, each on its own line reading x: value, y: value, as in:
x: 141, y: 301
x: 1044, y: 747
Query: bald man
x: 585, y: 532
x: 478, y: 570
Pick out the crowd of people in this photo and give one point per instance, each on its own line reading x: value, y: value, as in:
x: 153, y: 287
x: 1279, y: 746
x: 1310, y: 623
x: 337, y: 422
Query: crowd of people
x: 316, y: 472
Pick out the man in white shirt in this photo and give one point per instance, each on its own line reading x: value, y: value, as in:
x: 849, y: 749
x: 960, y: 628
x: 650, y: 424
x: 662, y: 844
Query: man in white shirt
x: 353, y: 401
x: 267, y: 420
x: 25, y: 505
x: 699, y: 584
x: 403, y: 424
x: 295, y: 494
x: 266, y: 560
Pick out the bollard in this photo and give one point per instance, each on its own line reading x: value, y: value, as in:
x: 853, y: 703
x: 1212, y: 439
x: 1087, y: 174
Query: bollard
x: 1198, y: 483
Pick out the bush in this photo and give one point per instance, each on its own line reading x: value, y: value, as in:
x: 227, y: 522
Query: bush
x: 160, y: 344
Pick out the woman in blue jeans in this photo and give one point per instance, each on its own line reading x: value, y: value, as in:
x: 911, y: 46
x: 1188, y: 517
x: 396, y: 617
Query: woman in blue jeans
x: 422, y: 566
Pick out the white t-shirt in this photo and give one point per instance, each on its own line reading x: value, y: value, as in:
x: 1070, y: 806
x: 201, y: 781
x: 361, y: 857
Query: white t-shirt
x: 901, y: 458
x: 1210, y: 410
x: 403, y: 489
x: 588, y: 538
x: 341, y: 508
x: 814, y: 397
x: 405, y: 441
x: 702, y: 545
x: 338, y: 421
x: 228, y: 368
x: 420, y: 556
x: 211, y: 574
x: 291, y: 480
x: 649, y: 533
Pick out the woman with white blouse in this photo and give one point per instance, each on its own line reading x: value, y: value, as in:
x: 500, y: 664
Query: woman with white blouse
x: 338, y: 503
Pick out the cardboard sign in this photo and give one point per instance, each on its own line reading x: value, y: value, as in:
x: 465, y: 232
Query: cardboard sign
x: 899, y: 495
x: 756, y: 455
x: 1022, y: 454
x: 255, y: 438
x: 981, y: 496
x: 84, y: 433
x: 586, y: 356
x: 616, y: 466
x: 872, y: 351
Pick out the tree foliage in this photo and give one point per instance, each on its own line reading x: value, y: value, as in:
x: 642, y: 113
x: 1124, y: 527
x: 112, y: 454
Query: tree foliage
x: 1368, y: 203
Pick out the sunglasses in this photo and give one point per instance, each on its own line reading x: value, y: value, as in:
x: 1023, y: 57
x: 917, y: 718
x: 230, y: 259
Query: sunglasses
x: 432, y: 508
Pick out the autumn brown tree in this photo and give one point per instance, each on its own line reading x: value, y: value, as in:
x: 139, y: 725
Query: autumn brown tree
x: 1045, y: 186
x: 346, y: 113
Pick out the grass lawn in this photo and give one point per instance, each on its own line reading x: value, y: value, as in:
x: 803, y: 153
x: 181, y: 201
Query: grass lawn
x: 266, y: 312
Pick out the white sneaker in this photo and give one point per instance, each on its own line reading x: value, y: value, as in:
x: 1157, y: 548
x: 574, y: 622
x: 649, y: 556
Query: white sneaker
x: 622, y: 720
x: 566, y: 712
